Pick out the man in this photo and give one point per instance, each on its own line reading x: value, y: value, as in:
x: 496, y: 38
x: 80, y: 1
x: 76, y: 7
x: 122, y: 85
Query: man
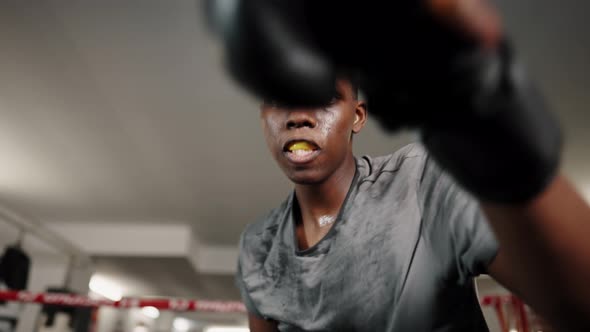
x: 392, y: 243
x: 374, y: 244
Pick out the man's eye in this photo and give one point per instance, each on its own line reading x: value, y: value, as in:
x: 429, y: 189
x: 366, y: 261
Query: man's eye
x: 335, y: 98
x: 276, y: 104
x: 333, y: 101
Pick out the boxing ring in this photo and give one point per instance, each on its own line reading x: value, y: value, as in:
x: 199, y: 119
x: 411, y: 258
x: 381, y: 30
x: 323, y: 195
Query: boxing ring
x: 62, y: 299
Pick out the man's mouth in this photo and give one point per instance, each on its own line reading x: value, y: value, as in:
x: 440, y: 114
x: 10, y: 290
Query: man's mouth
x: 301, y: 151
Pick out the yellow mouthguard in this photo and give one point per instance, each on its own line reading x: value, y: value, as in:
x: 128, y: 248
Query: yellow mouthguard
x: 300, y: 146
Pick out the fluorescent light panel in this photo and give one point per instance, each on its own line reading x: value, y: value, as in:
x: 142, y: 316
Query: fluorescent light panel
x: 105, y: 287
x: 151, y: 312
x: 181, y: 324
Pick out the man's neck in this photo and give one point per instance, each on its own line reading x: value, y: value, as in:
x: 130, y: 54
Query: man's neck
x: 326, y: 198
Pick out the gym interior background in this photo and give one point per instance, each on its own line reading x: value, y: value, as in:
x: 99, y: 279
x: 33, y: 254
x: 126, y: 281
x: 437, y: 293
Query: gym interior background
x: 130, y: 162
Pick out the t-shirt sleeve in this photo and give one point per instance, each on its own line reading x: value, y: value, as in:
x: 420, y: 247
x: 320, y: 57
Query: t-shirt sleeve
x: 454, y: 224
x: 240, y: 282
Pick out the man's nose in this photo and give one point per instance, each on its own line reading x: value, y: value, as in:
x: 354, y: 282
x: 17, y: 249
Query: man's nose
x: 300, y: 119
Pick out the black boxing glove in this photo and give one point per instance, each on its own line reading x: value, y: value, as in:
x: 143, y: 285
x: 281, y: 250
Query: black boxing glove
x: 480, y: 116
x: 270, y: 51
x: 495, y: 134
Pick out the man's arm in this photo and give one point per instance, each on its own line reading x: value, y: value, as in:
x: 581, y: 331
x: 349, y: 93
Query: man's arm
x: 258, y: 324
x: 544, y: 256
x: 479, y: 115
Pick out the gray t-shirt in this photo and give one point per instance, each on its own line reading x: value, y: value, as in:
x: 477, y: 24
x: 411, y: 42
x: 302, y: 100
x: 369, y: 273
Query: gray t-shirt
x: 401, y: 256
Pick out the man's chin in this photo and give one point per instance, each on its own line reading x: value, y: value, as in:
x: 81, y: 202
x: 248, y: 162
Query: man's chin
x: 307, y: 182
x: 305, y: 178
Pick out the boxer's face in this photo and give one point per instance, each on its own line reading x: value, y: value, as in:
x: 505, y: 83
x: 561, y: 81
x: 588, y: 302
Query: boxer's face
x: 311, y: 144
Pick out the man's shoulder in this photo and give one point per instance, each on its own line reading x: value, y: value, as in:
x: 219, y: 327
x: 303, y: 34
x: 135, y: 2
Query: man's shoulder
x: 258, y: 240
x: 265, y: 227
x: 410, y: 157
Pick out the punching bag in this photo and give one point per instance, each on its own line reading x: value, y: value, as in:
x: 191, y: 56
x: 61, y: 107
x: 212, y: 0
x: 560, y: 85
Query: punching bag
x: 14, y: 268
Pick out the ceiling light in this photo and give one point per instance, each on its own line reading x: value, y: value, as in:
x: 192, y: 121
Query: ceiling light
x: 151, y: 312
x: 181, y: 324
x: 105, y: 287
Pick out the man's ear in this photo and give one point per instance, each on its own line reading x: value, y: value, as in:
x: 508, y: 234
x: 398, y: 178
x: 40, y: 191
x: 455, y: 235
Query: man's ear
x: 360, y: 116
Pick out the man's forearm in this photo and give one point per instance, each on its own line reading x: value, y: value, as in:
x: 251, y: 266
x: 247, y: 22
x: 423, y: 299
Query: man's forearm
x: 545, y: 253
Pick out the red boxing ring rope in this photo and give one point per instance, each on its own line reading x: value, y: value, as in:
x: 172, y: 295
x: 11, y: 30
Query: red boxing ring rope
x: 159, y: 303
x: 497, y: 301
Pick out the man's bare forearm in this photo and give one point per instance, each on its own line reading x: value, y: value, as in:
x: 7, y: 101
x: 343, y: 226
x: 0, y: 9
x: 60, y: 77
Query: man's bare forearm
x: 545, y: 253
